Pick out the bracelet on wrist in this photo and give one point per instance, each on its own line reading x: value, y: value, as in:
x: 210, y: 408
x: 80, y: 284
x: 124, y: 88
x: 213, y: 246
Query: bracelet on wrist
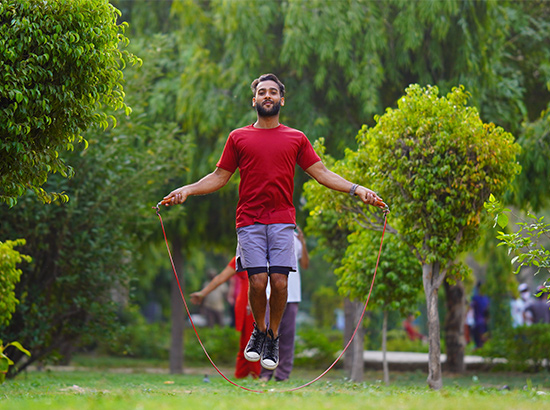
x: 353, y: 189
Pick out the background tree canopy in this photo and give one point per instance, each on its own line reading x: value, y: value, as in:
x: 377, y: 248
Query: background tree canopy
x: 60, y: 63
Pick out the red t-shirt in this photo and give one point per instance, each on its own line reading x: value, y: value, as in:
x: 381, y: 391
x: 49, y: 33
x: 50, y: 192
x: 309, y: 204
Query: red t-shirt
x: 266, y: 159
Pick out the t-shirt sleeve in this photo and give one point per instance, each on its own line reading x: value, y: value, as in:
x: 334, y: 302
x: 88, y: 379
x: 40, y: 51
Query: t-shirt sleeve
x: 307, y: 155
x: 229, y: 159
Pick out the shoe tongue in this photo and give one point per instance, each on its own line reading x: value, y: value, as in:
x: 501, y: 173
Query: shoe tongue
x: 271, y: 334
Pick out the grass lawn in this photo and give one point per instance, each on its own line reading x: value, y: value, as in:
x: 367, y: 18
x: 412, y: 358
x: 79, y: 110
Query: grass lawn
x: 143, y: 388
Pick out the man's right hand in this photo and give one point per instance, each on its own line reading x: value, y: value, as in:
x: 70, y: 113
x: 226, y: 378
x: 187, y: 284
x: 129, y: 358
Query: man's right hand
x: 177, y: 196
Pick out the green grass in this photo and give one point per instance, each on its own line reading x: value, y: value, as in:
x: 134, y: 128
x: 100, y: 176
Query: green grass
x: 139, y: 387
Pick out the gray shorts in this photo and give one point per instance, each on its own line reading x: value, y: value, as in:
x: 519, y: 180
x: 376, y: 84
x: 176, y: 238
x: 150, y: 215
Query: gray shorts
x: 266, y: 248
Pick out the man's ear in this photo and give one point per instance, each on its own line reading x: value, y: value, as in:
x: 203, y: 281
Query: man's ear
x: 253, y: 101
x: 282, y: 101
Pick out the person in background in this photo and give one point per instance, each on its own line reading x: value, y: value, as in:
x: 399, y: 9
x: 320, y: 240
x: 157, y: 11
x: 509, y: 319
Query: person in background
x: 480, y: 306
x: 287, y: 329
x: 412, y: 330
x: 537, y: 310
x: 213, y: 304
x: 244, y: 321
x: 518, y: 305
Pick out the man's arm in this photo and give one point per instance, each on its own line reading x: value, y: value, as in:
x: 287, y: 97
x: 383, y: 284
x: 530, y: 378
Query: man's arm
x: 334, y: 181
x: 304, y: 257
x: 210, y: 183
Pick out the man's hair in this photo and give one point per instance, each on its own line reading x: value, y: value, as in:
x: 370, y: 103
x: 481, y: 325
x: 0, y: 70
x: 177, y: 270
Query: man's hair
x: 268, y: 77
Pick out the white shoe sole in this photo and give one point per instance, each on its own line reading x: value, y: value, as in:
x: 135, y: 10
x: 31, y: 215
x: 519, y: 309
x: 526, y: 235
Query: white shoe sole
x: 269, y: 365
x: 252, y: 356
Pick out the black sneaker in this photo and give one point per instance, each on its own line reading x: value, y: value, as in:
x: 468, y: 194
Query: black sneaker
x: 270, y: 353
x: 255, y: 345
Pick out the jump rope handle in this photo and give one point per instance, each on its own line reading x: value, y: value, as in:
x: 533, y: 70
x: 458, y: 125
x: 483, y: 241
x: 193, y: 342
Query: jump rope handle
x: 163, y: 202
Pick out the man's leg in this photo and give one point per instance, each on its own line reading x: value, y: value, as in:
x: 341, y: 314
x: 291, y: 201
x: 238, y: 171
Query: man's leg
x: 258, y: 299
x: 277, y: 301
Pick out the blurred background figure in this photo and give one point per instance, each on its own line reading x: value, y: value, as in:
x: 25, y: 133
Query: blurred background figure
x: 213, y: 304
x: 537, y: 310
x: 518, y: 305
x: 412, y: 330
x: 480, y: 306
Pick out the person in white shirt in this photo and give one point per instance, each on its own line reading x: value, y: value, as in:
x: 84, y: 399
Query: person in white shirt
x: 518, y: 305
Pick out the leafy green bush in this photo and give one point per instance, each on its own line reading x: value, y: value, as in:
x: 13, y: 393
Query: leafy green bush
x: 525, y: 348
x: 399, y: 342
x: 138, y: 338
x: 317, y: 347
x: 221, y: 343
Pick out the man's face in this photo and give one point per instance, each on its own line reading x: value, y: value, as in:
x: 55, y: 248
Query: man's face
x: 268, y: 100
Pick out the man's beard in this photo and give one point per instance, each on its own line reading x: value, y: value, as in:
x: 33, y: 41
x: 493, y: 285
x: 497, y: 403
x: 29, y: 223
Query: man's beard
x: 262, y: 112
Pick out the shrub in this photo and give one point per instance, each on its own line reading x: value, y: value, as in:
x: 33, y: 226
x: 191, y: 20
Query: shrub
x: 317, y: 347
x: 525, y: 348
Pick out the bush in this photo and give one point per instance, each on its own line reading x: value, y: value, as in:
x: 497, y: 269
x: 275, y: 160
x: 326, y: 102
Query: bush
x: 316, y: 347
x: 525, y: 348
x: 221, y: 343
x: 399, y: 342
x: 138, y: 339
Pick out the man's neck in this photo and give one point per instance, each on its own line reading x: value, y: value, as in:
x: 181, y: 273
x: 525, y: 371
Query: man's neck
x: 267, y: 122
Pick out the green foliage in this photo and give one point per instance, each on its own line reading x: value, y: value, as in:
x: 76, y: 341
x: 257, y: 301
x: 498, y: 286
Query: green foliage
x: 399, y: 342
x: 525, y: 348
x: 221, y: 343
x: 531, y: 187
x: 5, y: 361
x: 137, y: 338
x: 89, y: 252
x: 317, y: 348
x: 398, y: 280
x: 437, y: 162
x: 9, y: 277
x: 527, y: 242
x: 85, y: 251
x: 60, y: 65
x: 325, y: 301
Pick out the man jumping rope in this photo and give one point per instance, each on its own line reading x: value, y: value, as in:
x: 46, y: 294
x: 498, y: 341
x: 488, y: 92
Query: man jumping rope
x: 266, y: 154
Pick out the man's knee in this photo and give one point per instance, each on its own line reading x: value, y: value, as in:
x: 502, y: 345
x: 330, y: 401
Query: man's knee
x: 278, y: 282
x: 258, y: 282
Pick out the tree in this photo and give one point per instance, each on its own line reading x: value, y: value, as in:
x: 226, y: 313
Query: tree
x: 346, y: 227
x: 87, y: 252
x: 437, y: 162
x: 60, y: 65
x: 395, y: 287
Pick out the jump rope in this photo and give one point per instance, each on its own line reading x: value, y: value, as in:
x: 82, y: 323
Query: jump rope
x: 386, y: 211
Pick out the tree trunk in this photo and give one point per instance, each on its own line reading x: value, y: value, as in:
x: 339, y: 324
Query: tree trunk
x: 454, y: 327
x: 433, y: 278
x: 354, y: 361
x: 348, y: 331
x: 385, y: 348
x: 177, y: 310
